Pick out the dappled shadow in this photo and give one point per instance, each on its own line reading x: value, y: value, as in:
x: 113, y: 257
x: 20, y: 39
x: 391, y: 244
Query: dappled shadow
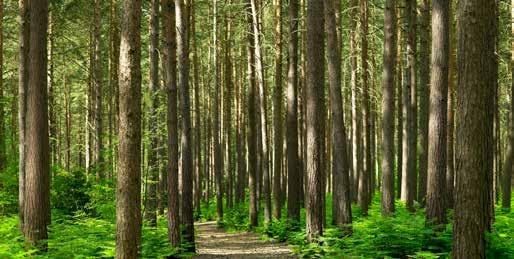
x: 213, y: 242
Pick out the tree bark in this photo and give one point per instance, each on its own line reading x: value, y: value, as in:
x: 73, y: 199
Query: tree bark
x: 168, y: 7
x: 98, y: 84
x: 356, y: 119
x: 295, y: 176
x: 450, y: 146
x: 424, y: 93
x: 128, y: 190
x: 436, y: 187
x: 23, y: 76
x: 474, y: 132
x: 340, y: 166
x: 389, y: 57
x: 315, y: 119
x: 37, y: 181
x: 153, y: 162
x: 278, y: 118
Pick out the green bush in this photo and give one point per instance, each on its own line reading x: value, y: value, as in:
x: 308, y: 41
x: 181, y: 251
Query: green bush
x: 9, y: 189
x: 69, y: 190
x: 102, y: 202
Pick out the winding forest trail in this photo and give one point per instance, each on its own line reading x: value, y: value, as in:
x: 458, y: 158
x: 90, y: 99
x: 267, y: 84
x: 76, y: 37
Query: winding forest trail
x: 212, y: 242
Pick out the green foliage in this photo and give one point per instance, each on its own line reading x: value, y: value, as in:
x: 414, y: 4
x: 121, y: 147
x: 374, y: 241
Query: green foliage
x: 69, y: 190
x: 9, y: 189
x: 101, y: 201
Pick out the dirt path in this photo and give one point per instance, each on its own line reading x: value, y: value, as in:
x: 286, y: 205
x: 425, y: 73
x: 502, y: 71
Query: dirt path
x: 212, y: 242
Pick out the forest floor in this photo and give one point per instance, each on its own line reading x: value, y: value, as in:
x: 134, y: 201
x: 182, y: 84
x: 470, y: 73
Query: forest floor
x: 214, y: 242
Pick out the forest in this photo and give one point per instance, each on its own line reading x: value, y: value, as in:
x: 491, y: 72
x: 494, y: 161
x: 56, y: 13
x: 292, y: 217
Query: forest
x: 256, y: 129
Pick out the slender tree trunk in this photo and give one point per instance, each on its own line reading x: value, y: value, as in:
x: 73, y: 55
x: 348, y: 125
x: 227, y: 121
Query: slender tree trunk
x: 340, y: 166
x: 37, y: 181
x: 388, y: 108
x: 278, y: 118
x: 114, y: 57
x: 182, y: 18
x: 153, y: 162
x: 218, y: 160
x: 399, y: 102
x: 315, y: 119
x: 197, y: 129
x: 356, y: 120
x: 450, y: 146
x: 227, y: 114
x: 295, y: 176
x: 263, y: 140
x: 98, y: 84
x: 424, y: 93
x: 436, y: 188
x: 52, y: 123
x: 507, y: 168
x: 2, y: 128
x: 128, y: 193
x: 252, y: 122
x: 474, y: 134
x: 363, y: 186
x: 23, y: 77
x: 168, y: 7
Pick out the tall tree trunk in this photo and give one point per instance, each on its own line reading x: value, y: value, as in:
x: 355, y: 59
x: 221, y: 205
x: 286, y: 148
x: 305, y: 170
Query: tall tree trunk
x: 168, y: 7
x: 507, y: 168
x: 363, y: 186
x: 295, y: 176
x: 424, y: 93
x: 153, y: 162
x: 114, y: 56
x: 340, y: 166
x: 218, y: 159
x: 182, y: 22
x: 128, y: 193
x: 198, y: 127
x: 263, y: 140
x: 409, y: 110
x: 252, y: 122
x: 436, y: 188
x: 98, y: 84
x: 23, y: 77
x: 278, y: 118
x: 356, y: 120
x: 2, y: 128
x: 227, y: 114
x: 474, y: 132
x: 37, y: 180
x: 450, y: 161
x: 52, y: 123
x: 388, y: 108
x: 315, y: 119
x: 399, y: 102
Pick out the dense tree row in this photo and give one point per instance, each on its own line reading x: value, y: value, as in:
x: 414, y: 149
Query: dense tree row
x: 182, y: 103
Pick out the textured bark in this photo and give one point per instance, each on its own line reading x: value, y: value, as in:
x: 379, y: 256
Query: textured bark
x: 278, y: 118
x: 114, y: 56
x: 399, y: 102
x: 182, y: 22
x: 424, y: 93
x: 242, y: 179
x: 474, y: 132
x: 507, y: 168
x: 364, y: 177
x: 198, y: 126
x: 263, y: 140
x: 409, y: 96
x: 2, y: 129
x: 450, y: 146
x: 37, y: 179
x: 218, y: 159
x: 128, y: 187
x: 23, y: 76
x: 227, y: 113
x: 252, y: 123
x: 389, y: 57
x: 315, y: 119
x: 340, y: 166
x: 295, y: 176
x: 98, y: 84
x: 153, y: 162
x: 356, y: 118
x: 168, y: 7
x: 436, y: 187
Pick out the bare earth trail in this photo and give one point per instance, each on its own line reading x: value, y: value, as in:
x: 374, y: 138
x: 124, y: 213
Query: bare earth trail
x: 212, y: 242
